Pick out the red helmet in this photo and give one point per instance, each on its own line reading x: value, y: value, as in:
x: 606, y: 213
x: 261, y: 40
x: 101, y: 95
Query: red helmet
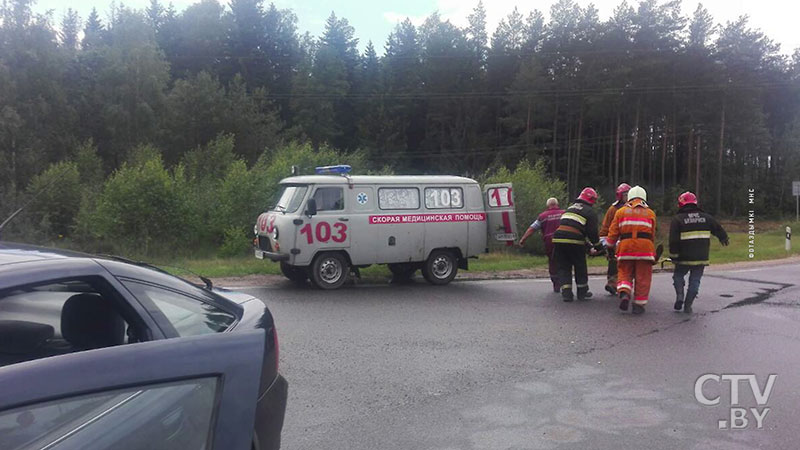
x: 686, y: 198
x: 588, y: 195
x: 622, y: 189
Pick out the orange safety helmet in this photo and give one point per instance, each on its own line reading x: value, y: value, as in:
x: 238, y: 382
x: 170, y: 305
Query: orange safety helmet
x: 588, y: 195
x: 622, y: 189
x: 687, y: 198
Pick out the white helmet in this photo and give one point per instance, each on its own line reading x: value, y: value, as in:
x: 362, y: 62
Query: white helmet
x: 637, y: 192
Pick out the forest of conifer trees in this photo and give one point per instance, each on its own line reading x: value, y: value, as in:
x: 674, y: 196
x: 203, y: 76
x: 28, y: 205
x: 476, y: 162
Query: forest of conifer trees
x: 647, y: 96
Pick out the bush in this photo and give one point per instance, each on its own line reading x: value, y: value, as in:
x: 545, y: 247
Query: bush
x: 240, y: 199
x: 532, y: 187
x: 58, y: 198
x: 210, y: 162
x: 90, y: 166
x: 142, y: 204
x: 235, y: 242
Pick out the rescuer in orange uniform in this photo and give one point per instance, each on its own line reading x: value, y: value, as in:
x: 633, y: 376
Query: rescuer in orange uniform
x: 632, y: 232
x: 622, y: 197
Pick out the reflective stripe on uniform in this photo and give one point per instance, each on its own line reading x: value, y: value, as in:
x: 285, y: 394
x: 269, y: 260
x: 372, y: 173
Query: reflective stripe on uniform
x: 636, y: 222
x: 695, y: 235
x: 568, y: 241
x: 641, y: 255
x: 624, y: 285
x: 636, y: 258
x: 576, y: 217
x: 566, y: 287
x: 640, y: 301
x: 582, y: 285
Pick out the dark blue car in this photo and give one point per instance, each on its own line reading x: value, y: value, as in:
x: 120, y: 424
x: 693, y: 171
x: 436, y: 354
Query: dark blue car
x: 97, y: 353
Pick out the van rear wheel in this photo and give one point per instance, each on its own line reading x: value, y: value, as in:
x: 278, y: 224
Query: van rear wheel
x: 441, y: 267
x: 298, y: 275
x: 329, y: 270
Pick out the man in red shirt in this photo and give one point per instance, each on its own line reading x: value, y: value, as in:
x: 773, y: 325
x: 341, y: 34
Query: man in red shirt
x: 547, y: 222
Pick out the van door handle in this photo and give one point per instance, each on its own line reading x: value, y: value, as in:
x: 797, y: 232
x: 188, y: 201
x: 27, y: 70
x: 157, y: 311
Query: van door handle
x: 343, y: 219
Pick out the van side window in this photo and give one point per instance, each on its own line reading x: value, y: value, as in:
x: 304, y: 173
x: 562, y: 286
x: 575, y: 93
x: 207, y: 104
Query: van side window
x: 398, y: 198
x: 444, y: 198
x: 329, y: 198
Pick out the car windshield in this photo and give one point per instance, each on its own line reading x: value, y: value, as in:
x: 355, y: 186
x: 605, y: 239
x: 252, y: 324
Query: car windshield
x: 289, y: 198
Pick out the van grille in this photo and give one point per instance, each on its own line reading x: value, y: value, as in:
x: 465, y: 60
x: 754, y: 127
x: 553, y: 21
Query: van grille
x: 263, y: 244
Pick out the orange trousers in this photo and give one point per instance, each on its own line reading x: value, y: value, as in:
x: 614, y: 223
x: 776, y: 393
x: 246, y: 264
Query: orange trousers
x: 635, y: 275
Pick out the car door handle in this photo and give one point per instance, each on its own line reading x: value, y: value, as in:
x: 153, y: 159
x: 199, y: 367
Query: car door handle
x: 343, y: 219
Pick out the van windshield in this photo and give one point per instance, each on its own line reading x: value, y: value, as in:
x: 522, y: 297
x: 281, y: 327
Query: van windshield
x: 290, y: 197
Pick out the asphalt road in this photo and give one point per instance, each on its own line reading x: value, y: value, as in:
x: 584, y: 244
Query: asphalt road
x: 508, y: 365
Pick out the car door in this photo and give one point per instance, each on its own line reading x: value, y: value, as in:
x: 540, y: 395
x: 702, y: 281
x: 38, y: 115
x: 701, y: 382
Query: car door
x: 186, y: 393
x: 329, y: 229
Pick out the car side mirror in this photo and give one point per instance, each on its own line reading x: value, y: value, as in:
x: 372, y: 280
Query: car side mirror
x: 311, y: 207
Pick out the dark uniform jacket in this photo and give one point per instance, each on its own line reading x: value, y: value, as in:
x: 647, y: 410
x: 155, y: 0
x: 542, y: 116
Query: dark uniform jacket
x: 577, y: 225
x: 690, y: 236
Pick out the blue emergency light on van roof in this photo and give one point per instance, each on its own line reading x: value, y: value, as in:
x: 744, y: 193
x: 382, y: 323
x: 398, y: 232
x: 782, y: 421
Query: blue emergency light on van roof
x: 333, y: 170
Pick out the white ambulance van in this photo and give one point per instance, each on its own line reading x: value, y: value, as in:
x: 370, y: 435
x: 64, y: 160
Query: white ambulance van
x: 324, y: 226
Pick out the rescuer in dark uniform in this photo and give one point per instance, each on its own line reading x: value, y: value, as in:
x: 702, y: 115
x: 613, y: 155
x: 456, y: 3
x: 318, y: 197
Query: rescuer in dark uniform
x: 578, y: 225
x: 689, y: 241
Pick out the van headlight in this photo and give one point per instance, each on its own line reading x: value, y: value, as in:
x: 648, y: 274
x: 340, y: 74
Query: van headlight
x: 275, y: 233
x: 255, y: 229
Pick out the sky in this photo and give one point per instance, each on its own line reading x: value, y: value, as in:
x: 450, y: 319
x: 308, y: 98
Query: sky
x: 374, y: 20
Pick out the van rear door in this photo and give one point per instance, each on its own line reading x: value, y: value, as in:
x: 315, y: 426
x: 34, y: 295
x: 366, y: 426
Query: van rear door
x: 500, y: 214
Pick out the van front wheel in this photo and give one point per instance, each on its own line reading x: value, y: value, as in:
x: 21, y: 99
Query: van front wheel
x: 298, y: 275
x: 329, y: 270
x: 441, y: 267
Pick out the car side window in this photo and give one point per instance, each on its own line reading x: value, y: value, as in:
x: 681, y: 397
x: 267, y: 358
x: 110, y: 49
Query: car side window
x: 329, y: 198
x: 188, y: 315
x: 179, y: 417
x: 60, y: 317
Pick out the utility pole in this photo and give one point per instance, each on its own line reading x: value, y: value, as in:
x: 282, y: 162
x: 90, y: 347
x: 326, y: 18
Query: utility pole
x: 719, y: 157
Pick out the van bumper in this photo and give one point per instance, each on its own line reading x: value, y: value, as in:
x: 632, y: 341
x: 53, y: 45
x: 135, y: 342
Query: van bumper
x: 272, y: 256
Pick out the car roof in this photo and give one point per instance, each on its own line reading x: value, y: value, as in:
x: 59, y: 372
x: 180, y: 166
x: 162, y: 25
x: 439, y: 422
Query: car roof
x: 378, y: 179
x: 57, y: 262
x: 13, y: 252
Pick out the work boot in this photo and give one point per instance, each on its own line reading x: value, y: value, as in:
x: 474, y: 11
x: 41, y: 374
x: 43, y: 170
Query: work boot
x: 625, y: 298
x: 584, y: 295
x: 678, y: 300
x: 611, y: 289
x: 687, y: 305
x: 566, y: 295
x: 638, y: 309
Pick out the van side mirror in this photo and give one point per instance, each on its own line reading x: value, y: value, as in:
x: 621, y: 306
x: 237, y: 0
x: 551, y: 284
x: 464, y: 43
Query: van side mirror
x: 311, y: 207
